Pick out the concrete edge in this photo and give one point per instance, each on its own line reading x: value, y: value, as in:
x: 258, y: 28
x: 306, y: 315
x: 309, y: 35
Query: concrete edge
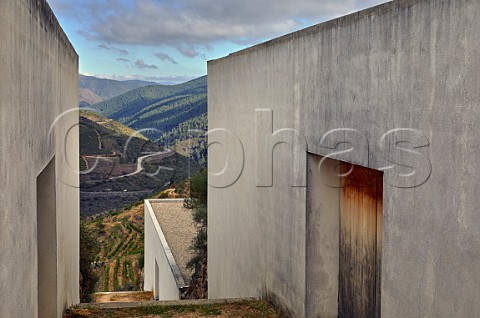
x: 165, y: 200
x: 168, y: 253
x: 197, y: 302
x: 50, y: 21
x: 329, y: 24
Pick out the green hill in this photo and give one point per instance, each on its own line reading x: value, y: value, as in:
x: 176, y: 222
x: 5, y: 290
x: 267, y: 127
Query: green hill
x: 110, y: 124
x: 102, y: 136
x: 159, y: 107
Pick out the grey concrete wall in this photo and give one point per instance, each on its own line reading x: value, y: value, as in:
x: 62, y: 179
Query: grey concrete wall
x: 405, y: 64
x: 38, y: 76
x: 157, y: 253
x: 323, y: 239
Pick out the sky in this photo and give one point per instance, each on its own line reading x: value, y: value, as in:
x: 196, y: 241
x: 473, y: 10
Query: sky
x: 170, y: 41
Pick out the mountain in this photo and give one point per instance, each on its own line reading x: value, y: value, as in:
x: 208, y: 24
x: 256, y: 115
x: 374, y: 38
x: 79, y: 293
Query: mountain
x: 160, y: 108
x: 109, y: 154
x: 93, y: 90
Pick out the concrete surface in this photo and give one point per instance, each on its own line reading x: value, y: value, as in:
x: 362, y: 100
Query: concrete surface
x: 161, y: 274
x: 410, y: 64
x: 323, y: 239
x: 179, y: 230
x: 39, y: 79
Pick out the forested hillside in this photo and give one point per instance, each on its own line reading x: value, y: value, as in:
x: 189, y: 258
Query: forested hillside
x: 160, y: 108
x: 189, y: 138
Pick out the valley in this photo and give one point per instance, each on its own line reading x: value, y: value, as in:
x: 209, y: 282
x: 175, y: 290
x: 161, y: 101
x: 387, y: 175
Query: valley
x: 144, y: 143
x: 119, y: 166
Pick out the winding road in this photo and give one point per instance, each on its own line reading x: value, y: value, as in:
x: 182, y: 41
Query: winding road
x: 140, y: 163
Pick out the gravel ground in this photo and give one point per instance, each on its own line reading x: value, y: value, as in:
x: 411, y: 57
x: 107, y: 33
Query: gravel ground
x: 179, y: 230
x: 123, y: 297
x: 244, y: 309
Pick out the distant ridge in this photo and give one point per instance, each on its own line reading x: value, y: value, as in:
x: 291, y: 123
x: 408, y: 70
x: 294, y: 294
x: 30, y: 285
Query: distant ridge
x: 93, y: 90
x: 159, y: 107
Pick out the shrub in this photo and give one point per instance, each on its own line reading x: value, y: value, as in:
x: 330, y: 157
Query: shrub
x: 89, y: 249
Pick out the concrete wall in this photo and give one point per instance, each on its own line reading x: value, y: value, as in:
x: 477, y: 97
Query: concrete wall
x: 406, y: 64
x: 39, y: 77
x: 166, y: 276
x: 323, y: 239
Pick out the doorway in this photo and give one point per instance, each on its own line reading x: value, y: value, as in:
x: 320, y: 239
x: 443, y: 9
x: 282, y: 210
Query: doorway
x: 361, y: 195
x: 157, y: 281
x: 47, y: 242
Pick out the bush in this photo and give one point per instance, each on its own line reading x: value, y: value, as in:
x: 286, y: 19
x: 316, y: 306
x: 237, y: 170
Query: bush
x: 89, y: 249
x: 141, y: 261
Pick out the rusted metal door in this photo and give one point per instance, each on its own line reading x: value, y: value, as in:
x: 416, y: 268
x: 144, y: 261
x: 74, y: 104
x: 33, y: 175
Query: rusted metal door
x: 360, y: 242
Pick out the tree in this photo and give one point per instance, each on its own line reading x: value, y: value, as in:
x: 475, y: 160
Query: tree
x: 198, y: 203
x: 89, y: 248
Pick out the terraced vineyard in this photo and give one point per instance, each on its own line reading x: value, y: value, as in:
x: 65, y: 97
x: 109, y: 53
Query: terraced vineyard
x: 119, y: 264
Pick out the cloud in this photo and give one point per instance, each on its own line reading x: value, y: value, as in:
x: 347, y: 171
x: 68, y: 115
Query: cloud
x: 201, y: 23
x: 189, y: 51
x: 113, y: 49
x: 141, y: 65
x: 175, y: 79
x: 121, y: 59
x: 164, y: 57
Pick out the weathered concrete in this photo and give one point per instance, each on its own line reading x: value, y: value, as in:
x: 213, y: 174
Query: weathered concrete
x: 38, y: 76
x: 405, y: 64
x: 322, y: 245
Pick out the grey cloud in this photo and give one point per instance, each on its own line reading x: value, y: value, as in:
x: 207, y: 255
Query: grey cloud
x: 141, y: 65
x: 121, y: 59
x: 189, y: 51
x: 200, y: 23
x: 164, y: 57
x: 113, y: 49
x: 83, y: 10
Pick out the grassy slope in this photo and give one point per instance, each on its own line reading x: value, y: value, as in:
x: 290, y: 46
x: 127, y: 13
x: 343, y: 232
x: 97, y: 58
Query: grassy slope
x: 113, y: 137
x: 113, y: 125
